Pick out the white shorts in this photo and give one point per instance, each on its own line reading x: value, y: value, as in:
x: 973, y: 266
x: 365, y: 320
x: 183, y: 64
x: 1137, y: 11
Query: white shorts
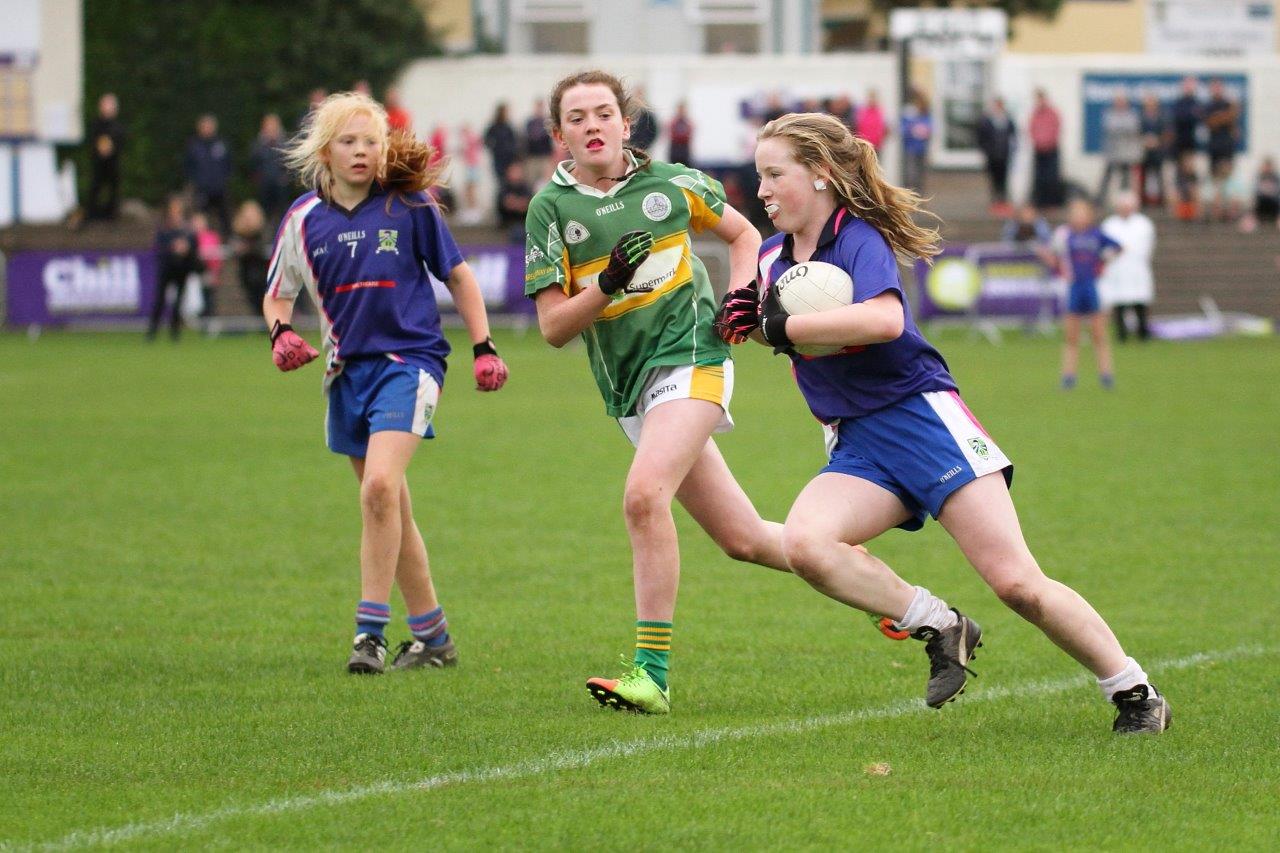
x: 710, y: 382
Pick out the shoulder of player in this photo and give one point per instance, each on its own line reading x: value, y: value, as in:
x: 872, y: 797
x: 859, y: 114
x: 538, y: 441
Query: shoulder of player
x: 771, y: 244
x: 857, y: 233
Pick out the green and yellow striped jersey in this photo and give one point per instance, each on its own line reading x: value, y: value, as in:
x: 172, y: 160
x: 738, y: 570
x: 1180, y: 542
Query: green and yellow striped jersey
x: 664, y: 317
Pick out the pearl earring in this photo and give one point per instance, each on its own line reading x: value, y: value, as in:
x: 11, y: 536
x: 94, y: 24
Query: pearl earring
x: 819, y: 184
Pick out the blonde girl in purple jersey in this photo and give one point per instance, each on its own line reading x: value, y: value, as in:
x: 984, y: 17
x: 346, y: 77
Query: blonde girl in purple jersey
x: 905, y: 446
x: 361, y: 242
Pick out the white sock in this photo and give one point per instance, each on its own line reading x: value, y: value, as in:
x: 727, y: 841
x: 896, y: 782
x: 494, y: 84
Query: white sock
x: 1126, y: 679
x: 926, y: 609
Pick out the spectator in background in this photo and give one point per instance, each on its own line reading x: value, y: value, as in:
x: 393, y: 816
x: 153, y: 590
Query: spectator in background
x: 208, y: 169
x: 917, y: 129
x: 1184, y: 121
x: 644, y: 124
x: 209, y: 248
x: 177, y: 257
x: 1028, y: 226
x: 106, y: 138
x: 1233, y: 202
x: 1222, y: 118
x: 1156, y: 136
x: 1127, y: 283
x: 398, y: 118
x: 871, y: 123
x: 680, y: 137
x: 500, y: 139
x: 538, y: 145
x: 842, y: 108
x: 270, y: 176
x: 996, y: 139
x: 1045, y: 130
x: 472, y: 147
x: 1266, y: 194
x: 514, y: 195
x: 362, y: 87
x: 250, y: 247
x: 774, y: 108
x: 439, y: 142
x: 314, y: 98
x: 1121, y: 144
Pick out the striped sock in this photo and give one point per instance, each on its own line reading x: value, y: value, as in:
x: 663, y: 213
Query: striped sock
x: 653, y: 647
x: 431, y: 627
x: 372, y: 617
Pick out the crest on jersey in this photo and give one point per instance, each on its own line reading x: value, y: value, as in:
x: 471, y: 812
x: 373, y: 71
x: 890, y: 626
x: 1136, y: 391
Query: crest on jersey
x: 387, y: 238
x: 575, y: 232
x: 656, y: 206
x: 979, y: 447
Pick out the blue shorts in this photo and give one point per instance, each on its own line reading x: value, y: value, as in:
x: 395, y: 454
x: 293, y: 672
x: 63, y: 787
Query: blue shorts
x: 1082, y: 298
x: 377, y: 394
x: 921, y: 450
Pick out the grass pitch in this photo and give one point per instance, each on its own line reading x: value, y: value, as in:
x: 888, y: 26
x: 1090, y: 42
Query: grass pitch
x: 179, y: 565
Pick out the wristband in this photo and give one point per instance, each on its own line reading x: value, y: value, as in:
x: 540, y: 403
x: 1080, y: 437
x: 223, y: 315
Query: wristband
x: 485, y: 347
x: 279, y: 329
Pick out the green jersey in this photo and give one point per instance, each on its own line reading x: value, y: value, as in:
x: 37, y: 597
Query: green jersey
x: 664, y: 316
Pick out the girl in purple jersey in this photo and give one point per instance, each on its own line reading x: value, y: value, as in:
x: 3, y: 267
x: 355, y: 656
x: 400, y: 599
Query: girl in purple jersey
x: 361, y: 242
x: 913, y: 451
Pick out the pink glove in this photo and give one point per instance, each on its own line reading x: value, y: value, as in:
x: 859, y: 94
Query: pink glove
x: 490, y: 370
x: 288, y: 349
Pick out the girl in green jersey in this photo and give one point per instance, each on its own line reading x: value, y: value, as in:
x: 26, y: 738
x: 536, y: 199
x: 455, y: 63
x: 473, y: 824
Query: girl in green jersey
x: 609, y: 258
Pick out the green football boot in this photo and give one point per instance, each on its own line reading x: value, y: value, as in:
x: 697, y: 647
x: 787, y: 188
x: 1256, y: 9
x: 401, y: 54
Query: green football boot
x: 634, y: 691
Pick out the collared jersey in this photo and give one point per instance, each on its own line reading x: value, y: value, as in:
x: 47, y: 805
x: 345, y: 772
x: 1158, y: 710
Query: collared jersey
x: 366, y: 269
x: 859, y: 380
x: 664, y: 316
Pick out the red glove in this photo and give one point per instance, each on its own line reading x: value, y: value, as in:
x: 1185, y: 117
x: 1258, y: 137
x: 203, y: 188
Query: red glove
x: 288, y: 349
x: 490, y: 370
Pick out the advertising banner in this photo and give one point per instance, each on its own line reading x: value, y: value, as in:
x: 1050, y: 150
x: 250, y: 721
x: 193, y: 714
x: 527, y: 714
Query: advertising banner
x: 986, y: 281
x: 500, y: 272
x: 53, y: 288
x: 58, y: 288
x: 1100, y: 89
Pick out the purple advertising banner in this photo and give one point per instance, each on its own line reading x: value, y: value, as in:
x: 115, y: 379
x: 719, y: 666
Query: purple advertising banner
x: 986, y: 280
x: 51, y: 288
x: 500, y: 271
x: 54, y: 288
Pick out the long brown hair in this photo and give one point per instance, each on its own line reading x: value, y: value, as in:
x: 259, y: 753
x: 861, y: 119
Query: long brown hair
x: 412, y: 166
x: 628, y: 104
x: 825, y: 146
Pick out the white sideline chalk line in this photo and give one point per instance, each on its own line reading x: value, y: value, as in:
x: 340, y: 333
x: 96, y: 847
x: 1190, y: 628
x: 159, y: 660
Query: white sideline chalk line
x: 576, y: 759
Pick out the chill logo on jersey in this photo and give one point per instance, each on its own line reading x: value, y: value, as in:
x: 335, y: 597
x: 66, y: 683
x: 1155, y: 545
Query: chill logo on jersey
x: 575, y: 232
x: 387, y: 238
x: 980, y: 447
x: 656, y: 206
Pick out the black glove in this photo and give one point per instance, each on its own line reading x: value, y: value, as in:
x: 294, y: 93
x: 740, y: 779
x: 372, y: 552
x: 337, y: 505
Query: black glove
x: 628, y: 254
x: 773, y: 322
x: 739, y: 314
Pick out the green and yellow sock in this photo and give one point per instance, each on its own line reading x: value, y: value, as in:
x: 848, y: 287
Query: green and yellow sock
x: 653, y: 647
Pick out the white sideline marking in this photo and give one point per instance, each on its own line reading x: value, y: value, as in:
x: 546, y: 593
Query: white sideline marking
x: 573, y: 760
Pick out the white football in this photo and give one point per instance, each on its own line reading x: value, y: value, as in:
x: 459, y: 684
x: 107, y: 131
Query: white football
x: 814, y: 286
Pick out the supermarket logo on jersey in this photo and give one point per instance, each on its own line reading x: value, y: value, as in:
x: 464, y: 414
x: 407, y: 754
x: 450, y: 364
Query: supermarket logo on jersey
x: 76, y: 284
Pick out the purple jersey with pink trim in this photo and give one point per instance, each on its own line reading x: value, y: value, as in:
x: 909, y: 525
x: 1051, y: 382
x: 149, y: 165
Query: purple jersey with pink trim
x: 859, y: 380
x: 1087, y: 252
x: 367, y: 270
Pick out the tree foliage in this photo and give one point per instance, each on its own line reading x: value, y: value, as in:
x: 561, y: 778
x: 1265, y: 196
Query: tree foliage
x: 237, y: 59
